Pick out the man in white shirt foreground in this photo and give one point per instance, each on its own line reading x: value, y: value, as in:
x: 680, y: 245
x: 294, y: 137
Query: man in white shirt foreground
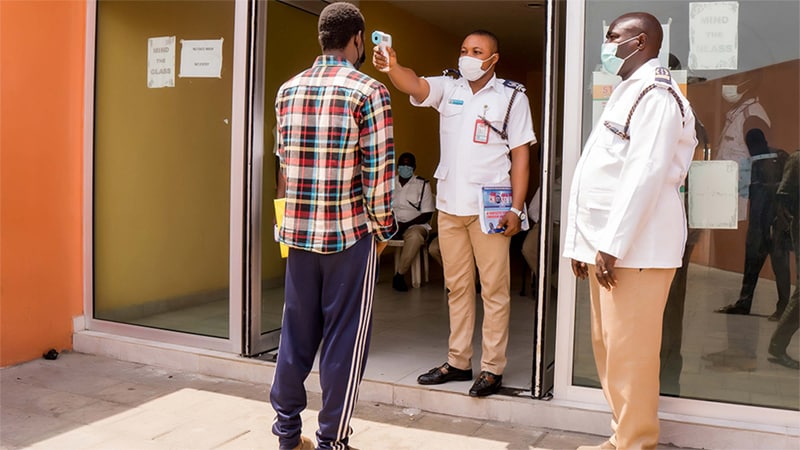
x: 626, y: 224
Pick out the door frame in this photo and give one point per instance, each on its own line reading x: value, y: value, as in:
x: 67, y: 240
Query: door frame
x: 542, y: 383
x: 234, y: 343
x: 256, y: 340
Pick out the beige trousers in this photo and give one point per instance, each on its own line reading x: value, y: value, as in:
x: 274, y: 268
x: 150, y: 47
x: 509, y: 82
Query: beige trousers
x: 463, y: 244
x: 413, y: 239
x: 626, y: 339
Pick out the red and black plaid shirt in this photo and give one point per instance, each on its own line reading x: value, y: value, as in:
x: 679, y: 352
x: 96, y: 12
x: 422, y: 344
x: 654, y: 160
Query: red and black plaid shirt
x: 336, y: 149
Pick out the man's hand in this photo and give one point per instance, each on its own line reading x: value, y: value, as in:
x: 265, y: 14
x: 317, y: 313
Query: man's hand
x: 604, y: 270
x: 511, y: 223
x: 580, y: 269
x: 380, y: 61
x: 380, y: 246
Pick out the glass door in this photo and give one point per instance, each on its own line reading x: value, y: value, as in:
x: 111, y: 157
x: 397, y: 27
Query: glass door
x: 165, y: 172
x: 284, y: 44
x: 718, y: 346
x: 550, y: 198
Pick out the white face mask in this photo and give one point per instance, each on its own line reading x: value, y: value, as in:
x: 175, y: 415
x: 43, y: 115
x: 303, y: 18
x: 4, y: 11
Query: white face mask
x: 470, y: 67
x: 731, y: 94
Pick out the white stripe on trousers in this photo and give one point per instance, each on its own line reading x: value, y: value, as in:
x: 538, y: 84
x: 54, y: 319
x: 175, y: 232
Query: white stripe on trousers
x: 364, y: 319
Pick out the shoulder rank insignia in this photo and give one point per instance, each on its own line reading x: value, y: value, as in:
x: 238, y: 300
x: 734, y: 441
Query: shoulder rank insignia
x: 663, y: 79
x: 514, y: 85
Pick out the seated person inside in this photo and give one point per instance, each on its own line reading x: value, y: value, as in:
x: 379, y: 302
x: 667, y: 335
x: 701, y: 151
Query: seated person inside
x: 413, y: 208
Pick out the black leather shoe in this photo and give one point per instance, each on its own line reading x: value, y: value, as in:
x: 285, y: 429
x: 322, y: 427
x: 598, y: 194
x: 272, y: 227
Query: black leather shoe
x: 486, y: 384
x: 399, y: 283
x: 775, y: 317
x: 443, y: 374
x: 733, y: 309
x: 786, y: 361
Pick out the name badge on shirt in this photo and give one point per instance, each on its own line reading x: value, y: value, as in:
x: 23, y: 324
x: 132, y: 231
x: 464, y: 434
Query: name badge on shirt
x: 456, y: 101
x: 481, y: 133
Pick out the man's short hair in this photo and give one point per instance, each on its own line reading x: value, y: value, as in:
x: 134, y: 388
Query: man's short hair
x: 410, y: 156
x: 339, y: 22
x: 488, y: 34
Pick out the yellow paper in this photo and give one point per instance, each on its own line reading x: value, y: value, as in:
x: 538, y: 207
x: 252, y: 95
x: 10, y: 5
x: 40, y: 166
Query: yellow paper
x: 280, y: 207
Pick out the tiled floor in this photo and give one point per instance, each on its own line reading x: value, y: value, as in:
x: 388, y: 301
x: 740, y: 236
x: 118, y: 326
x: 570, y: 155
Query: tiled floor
x: 724, y: 356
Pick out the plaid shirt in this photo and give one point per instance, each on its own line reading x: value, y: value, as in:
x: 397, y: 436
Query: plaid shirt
x: 337, y: 152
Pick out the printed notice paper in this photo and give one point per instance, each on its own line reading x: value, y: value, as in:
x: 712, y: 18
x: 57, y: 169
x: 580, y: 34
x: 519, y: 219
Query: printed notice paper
x: 161, y: 62
x: 713, y: 194
x: 201, y: 58
x: 713, y: 35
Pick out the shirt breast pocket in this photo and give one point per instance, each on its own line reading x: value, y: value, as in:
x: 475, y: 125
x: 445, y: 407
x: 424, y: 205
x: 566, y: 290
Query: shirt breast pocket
x: 451, y: 116
x: 494, y: 123
x: 613, y: 136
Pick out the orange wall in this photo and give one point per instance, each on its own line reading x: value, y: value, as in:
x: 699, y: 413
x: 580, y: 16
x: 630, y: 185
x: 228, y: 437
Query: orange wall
x: 41, y: 123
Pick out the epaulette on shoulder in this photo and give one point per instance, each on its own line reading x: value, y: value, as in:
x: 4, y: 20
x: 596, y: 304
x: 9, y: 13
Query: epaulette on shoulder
x: 514, y: 85
x: 420, y: 178
x: 663, y: 79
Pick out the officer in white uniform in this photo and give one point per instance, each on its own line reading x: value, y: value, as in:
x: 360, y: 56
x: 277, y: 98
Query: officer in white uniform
x: 486, y: 132
x: 413, y: 207
x: 745, y: 114
x: 626, y: 225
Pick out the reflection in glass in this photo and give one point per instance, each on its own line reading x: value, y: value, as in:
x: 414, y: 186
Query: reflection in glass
x: 748, y: 355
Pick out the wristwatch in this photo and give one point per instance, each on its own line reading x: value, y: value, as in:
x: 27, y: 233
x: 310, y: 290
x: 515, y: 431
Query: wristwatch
x: 522, y: 216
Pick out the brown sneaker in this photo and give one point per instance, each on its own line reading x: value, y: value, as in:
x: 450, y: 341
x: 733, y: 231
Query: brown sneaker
x: 305, y: 444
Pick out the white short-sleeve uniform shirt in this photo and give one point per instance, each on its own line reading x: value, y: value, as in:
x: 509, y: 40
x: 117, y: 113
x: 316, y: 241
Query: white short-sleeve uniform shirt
x: 411, y: 199
x: 472, y: 155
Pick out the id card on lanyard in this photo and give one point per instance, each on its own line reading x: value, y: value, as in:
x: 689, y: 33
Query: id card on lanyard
x: 481, y: 133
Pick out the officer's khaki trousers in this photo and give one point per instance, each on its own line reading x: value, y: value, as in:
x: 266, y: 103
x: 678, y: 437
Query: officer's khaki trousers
x: 462, y: 244
x: 413, y: 239
x: 626, y: 339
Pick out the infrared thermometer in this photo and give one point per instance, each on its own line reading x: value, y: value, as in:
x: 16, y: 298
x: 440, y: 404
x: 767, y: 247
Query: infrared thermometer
x: 382, y: 40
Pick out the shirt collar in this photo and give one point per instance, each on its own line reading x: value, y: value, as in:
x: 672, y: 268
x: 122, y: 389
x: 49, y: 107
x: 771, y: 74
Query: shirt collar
x: 645, y: 69
x: 330, y: 60
x: 493, y: 82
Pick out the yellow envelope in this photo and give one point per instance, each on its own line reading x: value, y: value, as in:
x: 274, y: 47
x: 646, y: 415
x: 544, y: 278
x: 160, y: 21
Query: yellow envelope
x: 280, y: 207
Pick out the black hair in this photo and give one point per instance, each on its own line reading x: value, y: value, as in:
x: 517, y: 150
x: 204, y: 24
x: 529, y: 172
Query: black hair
x: 410, y: 156
x: 488, y: 34
x: 339, y: 22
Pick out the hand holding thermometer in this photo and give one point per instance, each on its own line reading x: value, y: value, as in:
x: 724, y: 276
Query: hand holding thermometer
x: 382, y: 40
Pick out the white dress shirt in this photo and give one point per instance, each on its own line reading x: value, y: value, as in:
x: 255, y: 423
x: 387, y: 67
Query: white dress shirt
x: 467, y: 162
x: 412, y: 199
x: 625, y: 197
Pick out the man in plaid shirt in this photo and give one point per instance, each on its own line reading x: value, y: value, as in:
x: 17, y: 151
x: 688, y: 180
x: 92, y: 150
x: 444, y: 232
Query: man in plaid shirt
x: 337, y: 163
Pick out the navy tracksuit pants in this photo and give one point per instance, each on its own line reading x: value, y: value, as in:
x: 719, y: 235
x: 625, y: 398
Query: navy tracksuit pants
x: 328, y: 306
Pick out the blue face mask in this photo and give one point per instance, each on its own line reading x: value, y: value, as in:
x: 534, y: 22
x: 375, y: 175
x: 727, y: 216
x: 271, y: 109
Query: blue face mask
x: 608, y: 56
x: 405, y: 171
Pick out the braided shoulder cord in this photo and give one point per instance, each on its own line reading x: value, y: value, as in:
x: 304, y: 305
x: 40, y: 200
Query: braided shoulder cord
x: 504, y: 132
x: 624, y: 133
